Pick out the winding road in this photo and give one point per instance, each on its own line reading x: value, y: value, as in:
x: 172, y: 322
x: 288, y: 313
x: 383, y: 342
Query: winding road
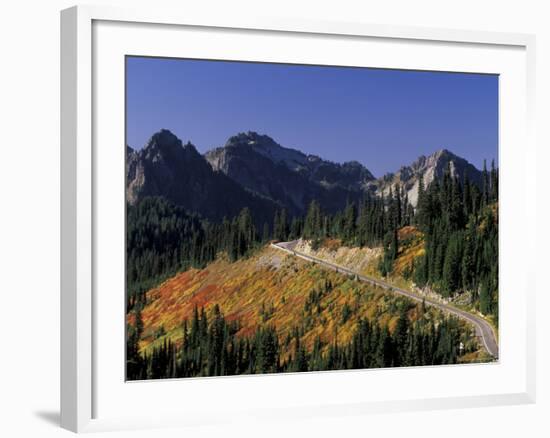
x: 483, y: 329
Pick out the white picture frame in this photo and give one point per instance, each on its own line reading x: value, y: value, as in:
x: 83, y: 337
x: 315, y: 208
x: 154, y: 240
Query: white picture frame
x: 81, y: 193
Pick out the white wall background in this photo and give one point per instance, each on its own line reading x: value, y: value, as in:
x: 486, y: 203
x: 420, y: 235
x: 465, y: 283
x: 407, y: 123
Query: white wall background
x: 29, y: 215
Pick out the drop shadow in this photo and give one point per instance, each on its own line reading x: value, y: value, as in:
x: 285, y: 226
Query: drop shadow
x: 51, y: 417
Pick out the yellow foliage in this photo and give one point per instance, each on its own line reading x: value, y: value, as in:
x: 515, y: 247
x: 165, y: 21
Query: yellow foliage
x: 411, y: 246
x: 270, y: 280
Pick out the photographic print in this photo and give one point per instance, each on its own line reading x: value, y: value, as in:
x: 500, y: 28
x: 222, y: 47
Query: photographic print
x: 293, y: 218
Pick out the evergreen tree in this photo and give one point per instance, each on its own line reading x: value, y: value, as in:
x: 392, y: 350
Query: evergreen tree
x: 451, y: 280
x: 265, y: 233
x: 350, y: 219
x: 494, y: 182
x: 485, y: 185
x: 485, y: 303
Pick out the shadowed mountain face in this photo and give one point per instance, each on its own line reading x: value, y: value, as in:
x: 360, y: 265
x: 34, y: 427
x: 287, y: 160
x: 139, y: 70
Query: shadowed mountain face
x: 166, y: 167
x: 253, y: 171
x: 288, y: 176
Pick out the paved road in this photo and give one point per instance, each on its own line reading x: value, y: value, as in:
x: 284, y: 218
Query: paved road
x: 483, y: 328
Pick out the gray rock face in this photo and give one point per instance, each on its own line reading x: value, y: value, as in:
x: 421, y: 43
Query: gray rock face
x: 429, y: 168
x: 252, y: 170
x: 288, y: 176
x: 167, y: 167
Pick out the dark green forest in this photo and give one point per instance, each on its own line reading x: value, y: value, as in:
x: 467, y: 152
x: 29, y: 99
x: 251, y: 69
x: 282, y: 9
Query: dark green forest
x: 460, y: 224
x: 211, y: 347
x: 163, y: 239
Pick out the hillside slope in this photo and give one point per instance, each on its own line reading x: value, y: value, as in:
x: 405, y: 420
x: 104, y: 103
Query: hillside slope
x: 280, y: 291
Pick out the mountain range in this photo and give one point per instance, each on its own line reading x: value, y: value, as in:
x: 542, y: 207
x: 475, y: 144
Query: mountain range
x: 252, y: 170
x: 167, y: 167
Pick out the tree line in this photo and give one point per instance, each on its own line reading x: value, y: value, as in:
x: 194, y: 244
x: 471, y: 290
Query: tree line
x: 163, y: 239
x: 363, y: 223
x: 211, y: 346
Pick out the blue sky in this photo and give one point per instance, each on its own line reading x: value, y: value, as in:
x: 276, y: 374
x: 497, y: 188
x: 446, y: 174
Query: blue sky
x: 381, y: 118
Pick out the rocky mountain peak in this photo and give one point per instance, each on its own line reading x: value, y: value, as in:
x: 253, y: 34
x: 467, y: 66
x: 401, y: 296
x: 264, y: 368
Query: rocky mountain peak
x: 352, y: 164
x: 178, y: 172
x: 285, y: 175
x: 249, y: 138
x: 129, y: 151
x: 441, y: 155
x: 439, y: 161
x: 267, y: 147
x: 165, y: 146
x: 163, y: 139
x: 428, y: 168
